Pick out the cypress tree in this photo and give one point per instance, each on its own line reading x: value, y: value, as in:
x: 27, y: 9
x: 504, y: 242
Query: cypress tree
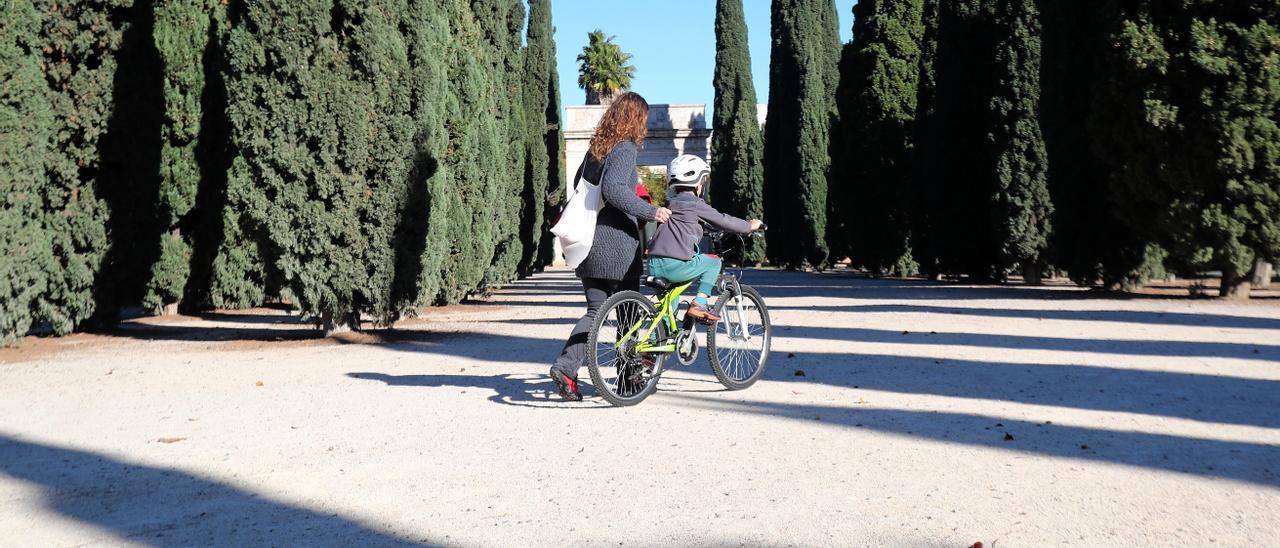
x: 422, y: 235
x: 556, y: 175
x: 803, y: 74
x: 26, y: 120
x: 182, y: 36
x: 928, y: 148
x: 737, y: 146
x: 476, y: 144
x: 502, y: 23
x: 129, y: 176
x: 232, y: 266
x: 1089, y: 241
x: 1022, y: 204
x: 75, y: 47
x: 542, y: 118
x: 877, y: 112
x: 1189, y: 113
x: 992, y: 210
x: 320, y: 118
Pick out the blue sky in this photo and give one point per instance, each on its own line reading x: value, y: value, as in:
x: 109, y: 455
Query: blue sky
x: 673, y: 43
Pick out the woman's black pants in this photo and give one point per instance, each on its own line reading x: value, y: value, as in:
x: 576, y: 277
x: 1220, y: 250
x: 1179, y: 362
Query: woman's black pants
x: 597, y: 291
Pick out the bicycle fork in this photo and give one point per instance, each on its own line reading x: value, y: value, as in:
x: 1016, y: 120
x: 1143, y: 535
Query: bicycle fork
x: 730, y: 285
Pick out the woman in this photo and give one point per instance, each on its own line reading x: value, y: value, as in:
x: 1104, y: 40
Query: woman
x: 613, y: 264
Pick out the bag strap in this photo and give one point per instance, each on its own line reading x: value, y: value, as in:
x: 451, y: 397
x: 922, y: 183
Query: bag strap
x: 576, y: 180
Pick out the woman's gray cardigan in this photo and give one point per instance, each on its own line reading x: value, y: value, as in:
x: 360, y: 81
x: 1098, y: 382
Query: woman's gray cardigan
x: 615, y: 251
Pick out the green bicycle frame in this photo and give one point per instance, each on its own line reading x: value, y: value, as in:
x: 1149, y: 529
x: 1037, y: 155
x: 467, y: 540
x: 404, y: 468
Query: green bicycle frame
x: 666, y: 313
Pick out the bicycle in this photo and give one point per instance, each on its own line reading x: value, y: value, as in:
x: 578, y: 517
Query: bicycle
x: 632, y: 336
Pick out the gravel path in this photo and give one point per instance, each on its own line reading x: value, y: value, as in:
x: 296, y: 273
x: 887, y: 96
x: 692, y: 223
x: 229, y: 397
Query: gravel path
x: 893, y: 413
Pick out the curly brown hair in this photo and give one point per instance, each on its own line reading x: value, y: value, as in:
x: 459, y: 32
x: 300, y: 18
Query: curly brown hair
x: 624, y: 121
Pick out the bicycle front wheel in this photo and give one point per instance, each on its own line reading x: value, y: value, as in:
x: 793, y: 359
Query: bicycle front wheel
x: 738, y: 344
x: 623, y: 376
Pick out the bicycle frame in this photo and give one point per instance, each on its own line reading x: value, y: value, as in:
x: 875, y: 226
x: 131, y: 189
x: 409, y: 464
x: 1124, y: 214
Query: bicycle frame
x: 666, y: 313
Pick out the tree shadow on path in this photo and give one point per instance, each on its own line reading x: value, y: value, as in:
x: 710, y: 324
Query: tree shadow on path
x: 1125, y: 316
x: 1256, y: 463
x: 170, y: 507
x: 1200, y: 397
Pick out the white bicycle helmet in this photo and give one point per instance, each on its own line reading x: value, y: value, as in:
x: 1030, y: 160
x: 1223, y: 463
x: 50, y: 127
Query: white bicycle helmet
x: 686, y: 171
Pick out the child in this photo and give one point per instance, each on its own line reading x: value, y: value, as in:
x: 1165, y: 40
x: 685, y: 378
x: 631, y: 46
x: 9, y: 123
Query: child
x: 673, y: 253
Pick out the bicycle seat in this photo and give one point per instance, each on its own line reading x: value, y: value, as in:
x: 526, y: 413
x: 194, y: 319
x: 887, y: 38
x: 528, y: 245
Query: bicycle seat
x: 659, y: 284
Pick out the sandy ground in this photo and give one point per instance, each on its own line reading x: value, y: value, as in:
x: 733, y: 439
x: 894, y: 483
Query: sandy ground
x: 893, y: 413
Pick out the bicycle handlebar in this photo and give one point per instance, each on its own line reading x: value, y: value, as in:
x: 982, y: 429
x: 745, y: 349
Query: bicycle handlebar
x: 716, y: 235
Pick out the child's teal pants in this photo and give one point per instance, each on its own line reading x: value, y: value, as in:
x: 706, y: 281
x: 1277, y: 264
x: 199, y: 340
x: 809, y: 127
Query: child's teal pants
x: 700, y: 267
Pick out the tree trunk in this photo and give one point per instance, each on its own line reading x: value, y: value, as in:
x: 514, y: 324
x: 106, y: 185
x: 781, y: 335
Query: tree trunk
x: 1235, y: 286
x: 334, y: 323
x: 1031, y: 274
x: 1262, y: 274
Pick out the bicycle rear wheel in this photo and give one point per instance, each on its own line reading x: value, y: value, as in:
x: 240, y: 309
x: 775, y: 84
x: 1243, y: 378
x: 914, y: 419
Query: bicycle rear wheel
x: 738, y: 344
x: 621, y: 375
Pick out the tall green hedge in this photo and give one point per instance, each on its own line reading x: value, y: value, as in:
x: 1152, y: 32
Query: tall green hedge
x: 27, y: 121
x: 737, y: 146
x: 542, y: 173
x: 803, y: 74
x: 60, y: 79
x: 184, y: 31
x: 877, y: 99
x: 476, y: 145
x: 502, y: 23
x: 422, y: 234
x: 353, y: 158
x: 320, y: 118
x: 1089, y: 241
x: 989, y: 207
x: 1189, y: 119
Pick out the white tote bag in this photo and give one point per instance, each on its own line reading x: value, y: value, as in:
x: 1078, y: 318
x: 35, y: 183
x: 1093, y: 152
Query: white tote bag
x: 576, y: 228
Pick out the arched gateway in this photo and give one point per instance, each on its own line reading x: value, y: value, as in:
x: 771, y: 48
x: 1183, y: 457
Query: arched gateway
x: 673, y: 130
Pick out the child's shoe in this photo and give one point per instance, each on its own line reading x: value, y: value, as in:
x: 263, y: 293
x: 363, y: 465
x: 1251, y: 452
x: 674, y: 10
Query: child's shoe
x: 702, y: 312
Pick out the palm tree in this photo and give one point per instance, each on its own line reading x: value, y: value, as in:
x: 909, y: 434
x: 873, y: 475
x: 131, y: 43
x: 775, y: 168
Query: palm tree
x: 602, y: 69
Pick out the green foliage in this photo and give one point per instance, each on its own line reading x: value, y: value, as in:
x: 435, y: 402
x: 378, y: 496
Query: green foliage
x: 352, y: 157
x: 423, y: 233
x: 320, y: 117
x: 877, y: 97
x: 655, y: 182
x: 737, y: 146
x: 475, y: 145
x: 1022, y: 207
x: 26, y: 120
x: 1188, y: 123
x: 129, y: 174
x: 803, y: 74
x: 183, y: 34
x: 988, y: 207
x: 72, y: 46
x: 542, y: 173
x: 1089, y: 241
x: 168, y: 274
x: 603, y: 68
x: 502, y: 23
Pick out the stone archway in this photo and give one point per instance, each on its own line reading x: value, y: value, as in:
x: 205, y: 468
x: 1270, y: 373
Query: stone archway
x: 673, y: 130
